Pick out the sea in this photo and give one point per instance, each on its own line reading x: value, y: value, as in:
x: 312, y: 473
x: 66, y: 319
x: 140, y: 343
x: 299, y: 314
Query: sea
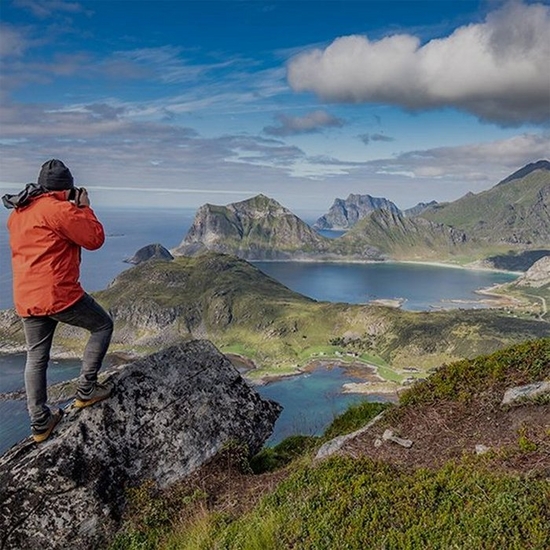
x: 310, y: 400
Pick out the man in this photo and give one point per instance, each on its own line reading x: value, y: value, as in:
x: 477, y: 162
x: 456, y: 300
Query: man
x: 50, y: 223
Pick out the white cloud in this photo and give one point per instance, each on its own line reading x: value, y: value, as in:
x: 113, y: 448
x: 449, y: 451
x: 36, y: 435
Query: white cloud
x: 475, y: 162
x: 498, y: 70
x: 367, y: 138
x: 50, y: 8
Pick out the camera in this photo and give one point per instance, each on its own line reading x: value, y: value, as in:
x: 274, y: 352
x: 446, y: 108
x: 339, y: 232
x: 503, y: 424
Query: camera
x: 74, y: 194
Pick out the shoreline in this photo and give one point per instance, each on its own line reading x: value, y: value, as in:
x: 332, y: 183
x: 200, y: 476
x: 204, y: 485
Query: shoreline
x: 343, y: 260
x: 369, y: 381
x: 468, y: 267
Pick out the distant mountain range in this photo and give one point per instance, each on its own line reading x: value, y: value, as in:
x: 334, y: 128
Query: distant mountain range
x: 513, y: 216
x: 344, y: 214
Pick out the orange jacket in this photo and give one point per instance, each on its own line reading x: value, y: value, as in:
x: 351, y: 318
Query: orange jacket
x: 46, y: 239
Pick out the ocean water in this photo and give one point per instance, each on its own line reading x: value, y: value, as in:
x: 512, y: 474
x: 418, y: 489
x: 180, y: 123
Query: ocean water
x: 127, y: 230
x: 311, y: 401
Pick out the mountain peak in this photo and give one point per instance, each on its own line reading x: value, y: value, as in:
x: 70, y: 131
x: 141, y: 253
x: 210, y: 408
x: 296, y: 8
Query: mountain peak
x: 259, y: 202
x: 344, y: 214
x: 527, y: 169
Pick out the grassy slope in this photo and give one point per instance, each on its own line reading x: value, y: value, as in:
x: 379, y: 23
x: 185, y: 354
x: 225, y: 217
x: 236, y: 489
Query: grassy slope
x: 405, y: 238
x: 488, y: 214
x: 357, y: 503
x: 244, y: 311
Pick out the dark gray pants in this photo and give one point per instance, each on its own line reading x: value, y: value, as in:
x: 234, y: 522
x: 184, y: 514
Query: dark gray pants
x: 39, y: 331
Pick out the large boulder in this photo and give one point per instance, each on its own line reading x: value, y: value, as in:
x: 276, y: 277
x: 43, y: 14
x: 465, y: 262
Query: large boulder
x: 169, y: 414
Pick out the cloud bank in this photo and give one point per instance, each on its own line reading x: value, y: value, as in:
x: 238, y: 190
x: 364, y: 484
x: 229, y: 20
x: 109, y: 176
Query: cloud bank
x: 497, y: 70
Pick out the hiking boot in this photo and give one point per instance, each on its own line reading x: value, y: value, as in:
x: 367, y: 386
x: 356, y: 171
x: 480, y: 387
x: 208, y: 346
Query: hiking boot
x: 40, y: 434
x: 98, y: 393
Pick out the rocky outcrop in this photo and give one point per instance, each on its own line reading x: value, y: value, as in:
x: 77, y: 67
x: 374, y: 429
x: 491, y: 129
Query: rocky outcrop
x: 419, y: 209
x: 538, y: 275
x: 527, y: 394
x: 150, y: 252
x: 344, y: 214
x: 170, y: 413
x: 255, y: 229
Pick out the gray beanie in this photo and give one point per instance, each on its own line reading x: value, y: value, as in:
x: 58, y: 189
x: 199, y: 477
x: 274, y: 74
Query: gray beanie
x: 55, y: 176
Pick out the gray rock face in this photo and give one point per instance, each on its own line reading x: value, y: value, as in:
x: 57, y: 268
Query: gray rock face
x: 538, y: 275
x: 150, y: 252
x: 344, y: 214
x: 170, y: 413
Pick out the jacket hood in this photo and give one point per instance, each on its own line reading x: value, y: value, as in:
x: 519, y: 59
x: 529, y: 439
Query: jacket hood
x: 23, y: 198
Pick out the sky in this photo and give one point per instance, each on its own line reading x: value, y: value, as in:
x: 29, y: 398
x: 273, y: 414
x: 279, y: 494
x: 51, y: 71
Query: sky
x: 175, y: 103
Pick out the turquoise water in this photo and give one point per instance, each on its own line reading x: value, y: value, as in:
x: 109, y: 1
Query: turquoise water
x: 310, y: 401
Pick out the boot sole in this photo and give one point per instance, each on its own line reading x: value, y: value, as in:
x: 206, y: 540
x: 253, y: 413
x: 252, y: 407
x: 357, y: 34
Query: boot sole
x: 38, y: 438
x: 81, y: 404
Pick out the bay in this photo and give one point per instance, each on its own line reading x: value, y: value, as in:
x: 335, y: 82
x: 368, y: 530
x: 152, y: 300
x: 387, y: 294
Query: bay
x: 419, y: 287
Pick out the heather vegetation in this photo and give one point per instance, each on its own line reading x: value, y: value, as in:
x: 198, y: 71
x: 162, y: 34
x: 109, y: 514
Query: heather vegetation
x: 284, y: 499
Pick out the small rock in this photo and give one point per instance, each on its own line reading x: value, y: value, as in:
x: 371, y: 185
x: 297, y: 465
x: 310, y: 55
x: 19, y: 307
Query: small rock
x: 482, y: 449
x: 338, y: 442
x: 388, y: 435
x: 377, y: 442
x: 526, y: 393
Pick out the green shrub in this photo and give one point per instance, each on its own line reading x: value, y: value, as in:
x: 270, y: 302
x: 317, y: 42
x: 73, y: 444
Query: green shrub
x: 520, y: 364
x: 356, y: 504
x: 354, y: 418
x: 273, y: 458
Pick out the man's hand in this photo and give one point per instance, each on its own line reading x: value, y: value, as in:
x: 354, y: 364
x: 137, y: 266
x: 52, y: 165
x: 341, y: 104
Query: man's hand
x: 82, y: 198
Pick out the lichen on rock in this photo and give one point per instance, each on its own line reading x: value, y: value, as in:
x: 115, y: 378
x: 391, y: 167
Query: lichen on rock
x: 170, y: 413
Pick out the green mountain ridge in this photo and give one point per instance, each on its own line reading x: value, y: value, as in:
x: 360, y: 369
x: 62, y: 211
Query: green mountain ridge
x: 243, y: 311
x: 513, y: 216
x: 515, y: 212
x: 238, y: 307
